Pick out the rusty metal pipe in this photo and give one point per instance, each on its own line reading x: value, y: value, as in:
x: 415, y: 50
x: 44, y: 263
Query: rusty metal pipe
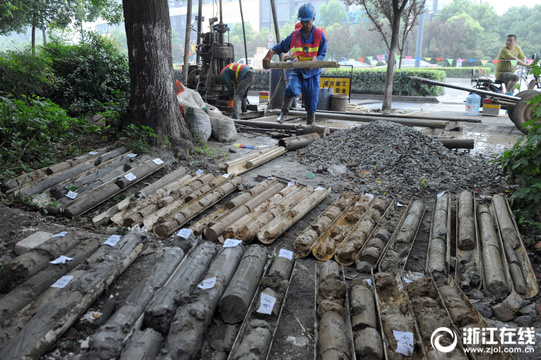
x: 298, y: 142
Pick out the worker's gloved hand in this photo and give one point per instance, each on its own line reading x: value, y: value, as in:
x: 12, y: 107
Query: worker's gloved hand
x: 267, y: 59
x: 230, y: 104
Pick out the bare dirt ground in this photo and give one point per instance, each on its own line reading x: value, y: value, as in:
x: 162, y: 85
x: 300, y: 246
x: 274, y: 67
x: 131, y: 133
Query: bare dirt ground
x: 294, y: 338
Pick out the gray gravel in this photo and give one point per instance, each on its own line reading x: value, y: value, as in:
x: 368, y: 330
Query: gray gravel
x: 398, y: 160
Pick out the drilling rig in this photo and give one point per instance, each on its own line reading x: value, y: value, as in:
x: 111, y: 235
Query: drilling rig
x: 215, y: 54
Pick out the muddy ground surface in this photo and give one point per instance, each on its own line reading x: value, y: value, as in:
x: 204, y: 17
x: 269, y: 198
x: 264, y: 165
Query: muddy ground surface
x: 294, y: 338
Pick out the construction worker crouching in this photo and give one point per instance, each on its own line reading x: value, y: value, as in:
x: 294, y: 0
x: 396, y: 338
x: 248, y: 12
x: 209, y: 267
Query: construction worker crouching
x: 304, y: 44
x: 240, y: 77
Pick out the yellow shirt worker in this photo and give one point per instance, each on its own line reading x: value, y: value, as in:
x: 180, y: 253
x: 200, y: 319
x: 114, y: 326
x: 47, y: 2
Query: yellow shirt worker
x: 505, y: 71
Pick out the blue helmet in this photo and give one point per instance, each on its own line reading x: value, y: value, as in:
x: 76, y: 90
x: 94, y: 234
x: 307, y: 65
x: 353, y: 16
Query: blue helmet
x: 306, y: 12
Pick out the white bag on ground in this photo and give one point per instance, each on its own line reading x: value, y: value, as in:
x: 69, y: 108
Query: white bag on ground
x: 223, y: 127
x: 205, y: 120
x: 197, y: 120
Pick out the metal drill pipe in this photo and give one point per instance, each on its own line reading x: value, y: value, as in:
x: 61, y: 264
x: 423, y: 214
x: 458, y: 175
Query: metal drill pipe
x: 513, y: 99
x: 313, y: 64
x: 399, y: 116
x: 437, y: 124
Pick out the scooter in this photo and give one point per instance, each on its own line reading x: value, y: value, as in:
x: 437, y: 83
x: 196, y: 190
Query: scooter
x: 483, y: 82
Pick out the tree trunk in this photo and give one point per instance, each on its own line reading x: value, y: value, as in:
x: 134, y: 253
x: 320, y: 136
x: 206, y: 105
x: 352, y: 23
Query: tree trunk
x: 388, y: 94
x: 33, y: 40
x: 153, y: 102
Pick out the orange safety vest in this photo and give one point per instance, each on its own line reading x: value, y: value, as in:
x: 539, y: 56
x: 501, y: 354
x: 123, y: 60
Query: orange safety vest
x: 237, y: 68
x: 302, y: 51
x: 299, y: 26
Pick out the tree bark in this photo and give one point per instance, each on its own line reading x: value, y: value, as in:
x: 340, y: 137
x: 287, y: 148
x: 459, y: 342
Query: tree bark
x: 388, y: 93
x: 153, y: 102
x: 394, y: 18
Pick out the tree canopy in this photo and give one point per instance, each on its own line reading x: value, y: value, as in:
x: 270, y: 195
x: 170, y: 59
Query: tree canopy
x: 18, y: 15
x: 331, y: 13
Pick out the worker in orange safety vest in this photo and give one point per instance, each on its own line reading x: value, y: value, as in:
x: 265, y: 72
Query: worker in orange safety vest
x: 304, y: 44
x: 237, y: 76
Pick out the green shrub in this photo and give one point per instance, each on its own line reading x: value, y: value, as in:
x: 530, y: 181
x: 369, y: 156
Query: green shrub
x: 35, y: 133
x: 463, y: 72
x: 90, y: 73
x: 422, y: 89
x: 22, y: 73
x: 372, y: 81
x: 523, y: 162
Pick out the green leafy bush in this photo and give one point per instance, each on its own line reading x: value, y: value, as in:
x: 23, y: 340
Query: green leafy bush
x: 372, y: 81
x: 35, y: 133
x: 89, y: 74
x: 464, y: 72
x: 523, y: 162
x: 22, y: 73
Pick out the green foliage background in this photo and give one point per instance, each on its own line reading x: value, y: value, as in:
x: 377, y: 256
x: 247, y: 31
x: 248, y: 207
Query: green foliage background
x: 46, y: 99
x: 523, y: 163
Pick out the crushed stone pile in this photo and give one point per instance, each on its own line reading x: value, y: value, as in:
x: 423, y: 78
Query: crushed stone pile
x: 386, y: 157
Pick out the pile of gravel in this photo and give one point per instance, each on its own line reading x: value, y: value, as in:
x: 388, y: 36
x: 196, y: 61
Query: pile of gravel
x: 396, y: 159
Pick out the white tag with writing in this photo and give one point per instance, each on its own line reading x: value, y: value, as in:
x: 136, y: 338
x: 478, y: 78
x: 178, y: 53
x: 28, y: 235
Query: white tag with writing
x: 267, y: 304
x: 185, y: 233
x: 158, y: 161
x: 132, y: 155
x: 291, y: 183
x: 207, y: 283
x: 130, y: 177
x: 231, y: 242
x: 61, y: 260
x: 286, y: 254
x: 62, y: 282
x: 226, y: 175
x: 71, y: 194
x: 199, y: 172
x: 112, y: 240
x: 60, y: 234
x: 404, y: 342
x: 93, y: 153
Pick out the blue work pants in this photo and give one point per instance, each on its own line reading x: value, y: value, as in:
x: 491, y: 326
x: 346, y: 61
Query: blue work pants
x: 309, y: 88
